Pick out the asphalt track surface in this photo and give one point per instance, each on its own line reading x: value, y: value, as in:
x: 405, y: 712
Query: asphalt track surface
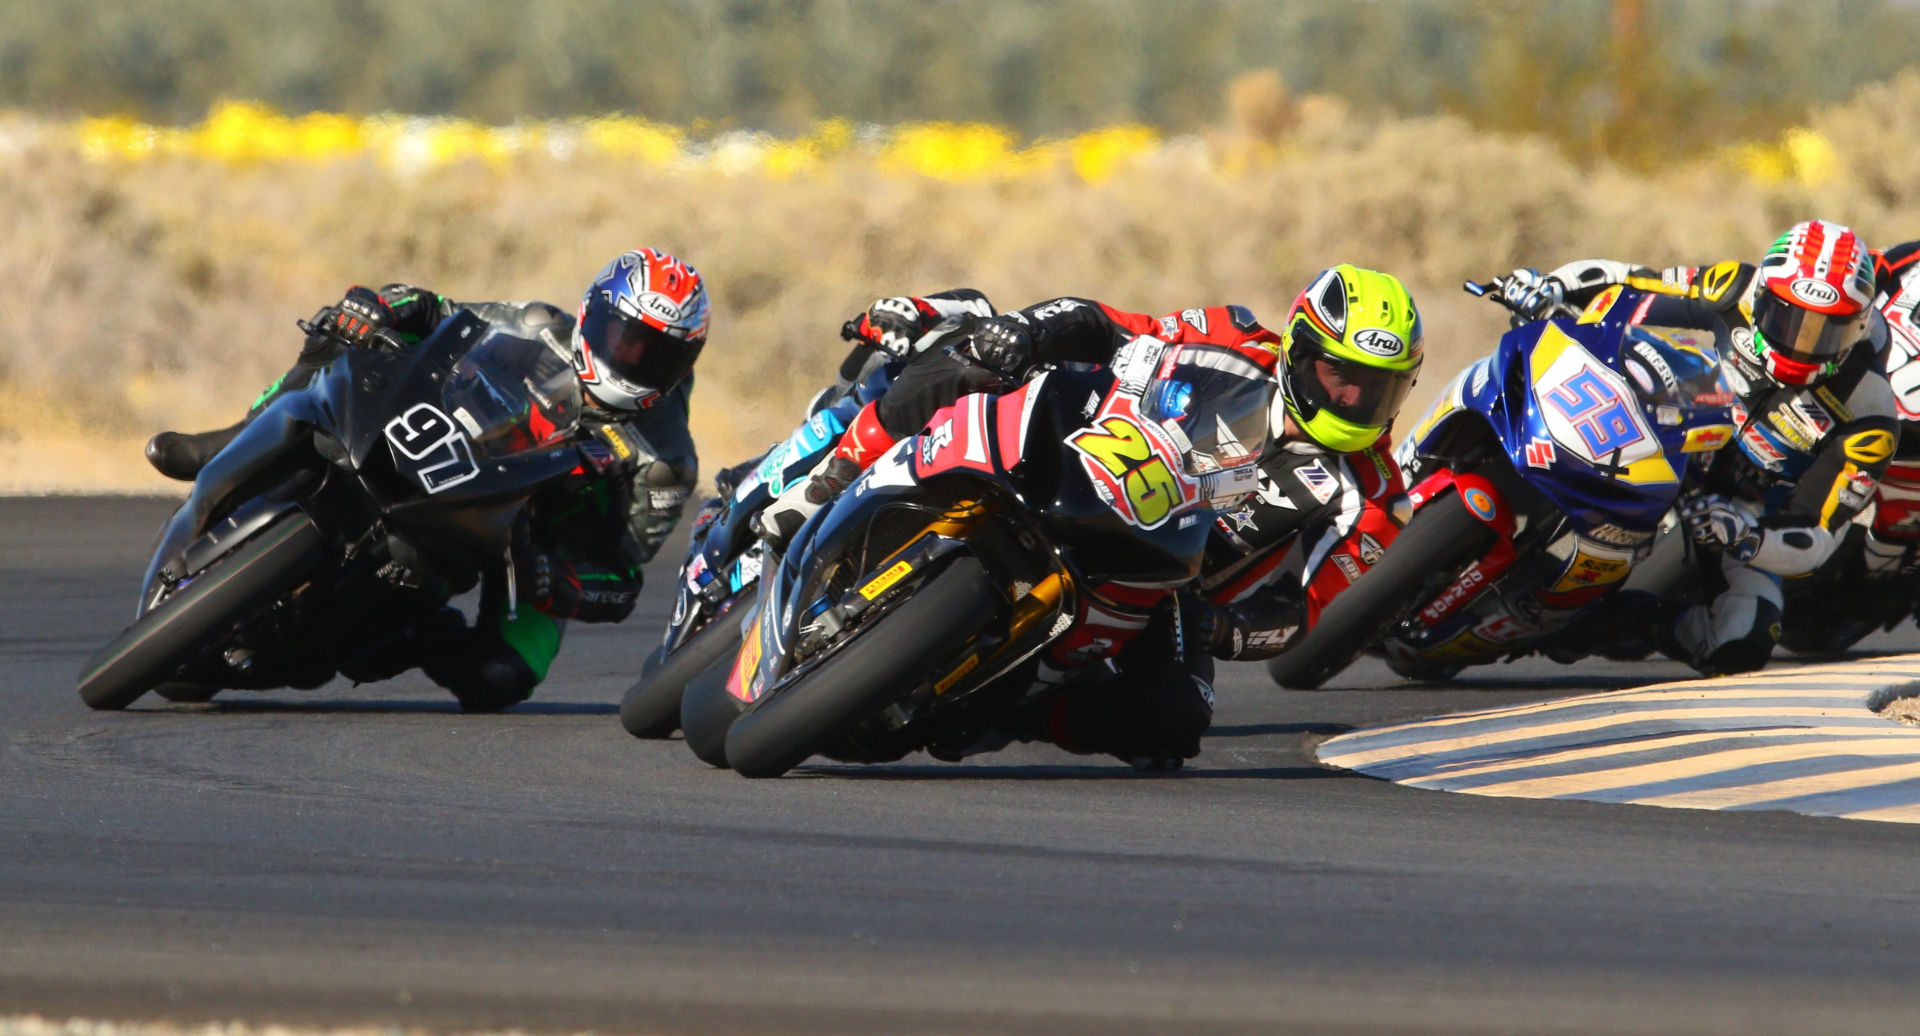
x: 371, y: 855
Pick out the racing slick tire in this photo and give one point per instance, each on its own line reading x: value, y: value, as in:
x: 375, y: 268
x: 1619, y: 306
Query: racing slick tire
x: 1440, y: 541
x: 261, y: 571
x: 707, y: 710
x: 651, y: 707
x: 888, y: 657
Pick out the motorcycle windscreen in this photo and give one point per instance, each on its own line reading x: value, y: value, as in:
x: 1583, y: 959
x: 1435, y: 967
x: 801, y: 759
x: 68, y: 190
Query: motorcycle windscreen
x: 512, y: 396
x: 1672, y: 350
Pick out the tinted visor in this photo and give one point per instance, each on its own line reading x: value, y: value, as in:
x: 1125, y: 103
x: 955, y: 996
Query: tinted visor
x: 1803, y: 335
x: 1355, y: 392
x: 640, y: 354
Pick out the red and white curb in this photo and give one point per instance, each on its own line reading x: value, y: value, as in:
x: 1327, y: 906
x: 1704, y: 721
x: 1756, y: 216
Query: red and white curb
x: 1806, y: 739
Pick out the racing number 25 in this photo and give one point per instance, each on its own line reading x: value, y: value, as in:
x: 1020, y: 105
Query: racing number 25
x: 1124, y: 451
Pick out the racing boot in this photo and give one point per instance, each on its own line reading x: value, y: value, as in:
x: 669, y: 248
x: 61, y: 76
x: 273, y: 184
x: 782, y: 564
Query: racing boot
x: 181, y: 455
x: 791, y: 509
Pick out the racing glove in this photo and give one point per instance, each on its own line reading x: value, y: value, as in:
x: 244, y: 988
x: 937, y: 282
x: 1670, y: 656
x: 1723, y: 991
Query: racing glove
x: 890, y: 325
x: 1002, y: 344
x: 358, y: 316
x: 790, y: 510
x: 1531, y: 294
x: 1714, y: 522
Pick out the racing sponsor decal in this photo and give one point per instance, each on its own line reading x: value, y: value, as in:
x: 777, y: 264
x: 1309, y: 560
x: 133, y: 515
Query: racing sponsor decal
x: 1540, y: 454
x: 1501, y: 629
x: 1868, y: 447
x: 885, y: 581
x: 1597, y: 309
x: 1793, y: 428
x: 1242, y: 519
x: 1480, y: 502
x: 1587, y: 570
x: 1170, y: 327
x: 1466, y: 586
x: 1658, y: 364
x: 1813, y: 415
x: 1378, y: 341
x: 1319, y: 481
x: 1195, y: 318
x: 1370, y: 550
x: 1813, y: 291
x: 1348, y: 567
x: 1270, y: 494
x: 1713, y: 399
x: 945, y: 683
x: 1761, y: 449
x: 935, y: 441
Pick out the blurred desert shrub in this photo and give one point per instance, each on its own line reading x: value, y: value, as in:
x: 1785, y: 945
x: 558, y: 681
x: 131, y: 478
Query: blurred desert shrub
x: 159, y: 291
x: 1635, y: 80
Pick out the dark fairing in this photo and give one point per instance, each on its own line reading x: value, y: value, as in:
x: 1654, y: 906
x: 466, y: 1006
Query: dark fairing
x: 432, y: 518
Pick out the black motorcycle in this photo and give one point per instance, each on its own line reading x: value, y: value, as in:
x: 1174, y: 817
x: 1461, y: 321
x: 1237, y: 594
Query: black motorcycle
x: 901, y: 617
x: 348, y: 510
x: 724, y: 555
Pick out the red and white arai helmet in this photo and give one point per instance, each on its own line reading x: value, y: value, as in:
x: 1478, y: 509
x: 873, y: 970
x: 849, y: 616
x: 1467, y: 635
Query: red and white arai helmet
x: 642, y: 323
x: 1810, y: 302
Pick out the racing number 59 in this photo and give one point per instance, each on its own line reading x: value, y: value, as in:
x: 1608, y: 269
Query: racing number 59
x: 1124, y: 451
x: 1596, y: 411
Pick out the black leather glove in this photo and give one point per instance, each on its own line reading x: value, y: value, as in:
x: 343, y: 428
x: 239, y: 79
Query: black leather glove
x: 1002, y: 344
x: 890, y: 325
x: 358, y: 316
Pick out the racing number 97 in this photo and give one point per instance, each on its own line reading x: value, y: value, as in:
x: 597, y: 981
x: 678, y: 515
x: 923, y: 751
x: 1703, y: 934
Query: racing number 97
x: 1124, y: 451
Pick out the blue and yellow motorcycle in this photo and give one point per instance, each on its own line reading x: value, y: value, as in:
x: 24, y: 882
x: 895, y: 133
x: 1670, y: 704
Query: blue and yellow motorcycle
x: 1540, y: 476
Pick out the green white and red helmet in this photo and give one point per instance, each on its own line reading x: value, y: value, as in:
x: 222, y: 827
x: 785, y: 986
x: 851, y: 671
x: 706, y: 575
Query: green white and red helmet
x: 1811, y: 302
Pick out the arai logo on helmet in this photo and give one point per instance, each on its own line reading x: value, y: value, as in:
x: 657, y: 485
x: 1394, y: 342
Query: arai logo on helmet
x: 1379, y: 341
x: 1814, y: 292
x: 659, y: 307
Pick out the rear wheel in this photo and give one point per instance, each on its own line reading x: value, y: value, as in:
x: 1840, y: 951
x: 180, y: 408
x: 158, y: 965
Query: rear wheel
x: 1436, y: 546
x: 651, y: 708
x: 264, y: 569
x: 889, y: 657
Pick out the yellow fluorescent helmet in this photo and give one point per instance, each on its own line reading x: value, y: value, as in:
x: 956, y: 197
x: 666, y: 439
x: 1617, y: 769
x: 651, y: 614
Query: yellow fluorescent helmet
x: 1353, y: 352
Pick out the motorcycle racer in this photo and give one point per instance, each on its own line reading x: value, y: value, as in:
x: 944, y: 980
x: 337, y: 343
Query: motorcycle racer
x: 1328, y: 481
x: 1815, y: 418
x: 578, y: 548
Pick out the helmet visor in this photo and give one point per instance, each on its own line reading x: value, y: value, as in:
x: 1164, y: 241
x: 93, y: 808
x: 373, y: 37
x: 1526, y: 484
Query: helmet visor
x: 1802, y: 334
x: 1352, y: 391
x: 640, y: 354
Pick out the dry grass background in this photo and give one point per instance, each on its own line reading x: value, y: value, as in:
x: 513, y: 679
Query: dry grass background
x: 141, y: 296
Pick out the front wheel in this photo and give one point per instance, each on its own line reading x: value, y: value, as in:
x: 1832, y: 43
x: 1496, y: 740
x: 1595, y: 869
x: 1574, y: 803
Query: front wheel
x: 264, y: 569
x: 892, y: 655
x: 1428, y: 555
x: 651, y: 707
